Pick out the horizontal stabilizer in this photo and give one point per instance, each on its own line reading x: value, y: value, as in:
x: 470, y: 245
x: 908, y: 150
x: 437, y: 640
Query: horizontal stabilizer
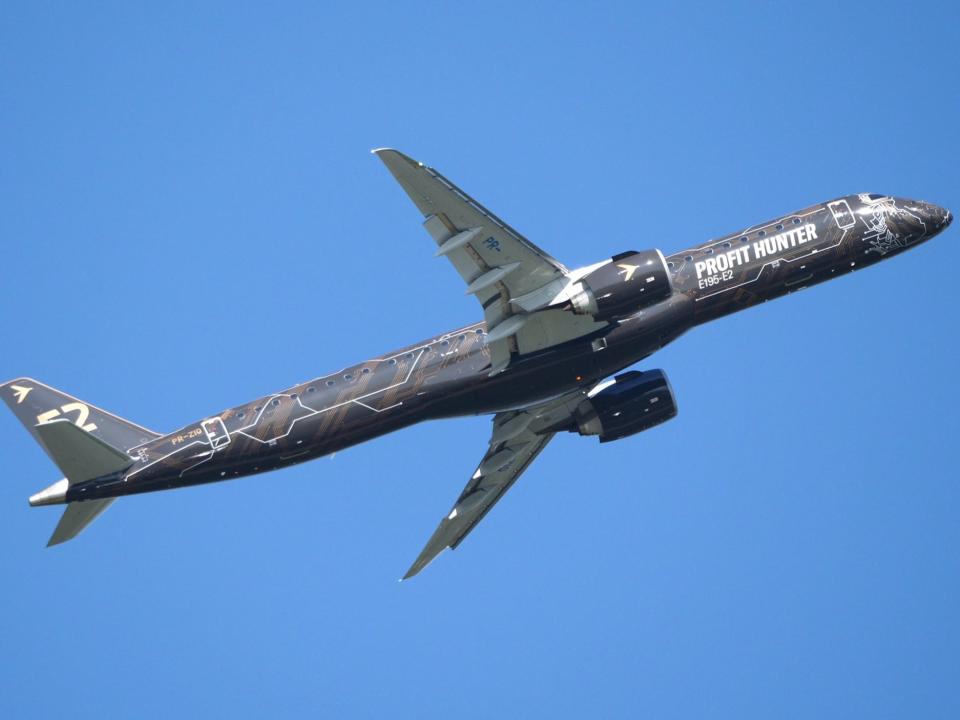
x: 78, y: 454
x: 76, y: 517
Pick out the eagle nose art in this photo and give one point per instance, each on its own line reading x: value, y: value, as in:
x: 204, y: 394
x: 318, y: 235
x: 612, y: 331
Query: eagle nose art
x: 946, y: 217
x: 935, y: 217
x: 917, y: 220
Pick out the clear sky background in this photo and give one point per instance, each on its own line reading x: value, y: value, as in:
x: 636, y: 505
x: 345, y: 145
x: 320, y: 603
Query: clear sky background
x: 190, y: 218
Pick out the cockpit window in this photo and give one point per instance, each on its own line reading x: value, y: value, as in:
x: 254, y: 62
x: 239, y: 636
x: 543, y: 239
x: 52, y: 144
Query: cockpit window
x: 873, y: 196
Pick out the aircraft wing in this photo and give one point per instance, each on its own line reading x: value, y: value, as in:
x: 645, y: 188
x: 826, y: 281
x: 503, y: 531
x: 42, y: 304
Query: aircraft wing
x: 509, y: 275
x: 518, y: 437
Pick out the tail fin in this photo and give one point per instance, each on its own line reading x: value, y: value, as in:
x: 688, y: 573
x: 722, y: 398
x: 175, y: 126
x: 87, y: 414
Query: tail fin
x: 34, y: 403
x: 84, y: 441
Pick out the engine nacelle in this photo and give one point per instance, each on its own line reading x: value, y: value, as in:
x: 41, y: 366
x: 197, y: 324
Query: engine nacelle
x: 634, y: 402
x: 630, y: 282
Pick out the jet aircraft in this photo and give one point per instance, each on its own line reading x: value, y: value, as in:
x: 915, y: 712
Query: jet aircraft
x: 550, y: 355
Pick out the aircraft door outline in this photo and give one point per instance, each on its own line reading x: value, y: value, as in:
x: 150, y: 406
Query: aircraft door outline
x: 216, y: 432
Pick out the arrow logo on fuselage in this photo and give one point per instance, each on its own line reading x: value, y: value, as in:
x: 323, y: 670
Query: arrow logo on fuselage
x: 20, y: 392
x: 629, y: 270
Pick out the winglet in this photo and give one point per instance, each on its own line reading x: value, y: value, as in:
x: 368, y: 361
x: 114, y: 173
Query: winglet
x: 396, y: 161
x: 414, y: 177
x: 389, y: 155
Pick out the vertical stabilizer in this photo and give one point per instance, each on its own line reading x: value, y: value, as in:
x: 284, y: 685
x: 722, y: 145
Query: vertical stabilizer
x: 34, y: 403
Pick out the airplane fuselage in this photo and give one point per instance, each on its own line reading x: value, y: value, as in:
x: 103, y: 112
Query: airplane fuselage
x: 449, y: 375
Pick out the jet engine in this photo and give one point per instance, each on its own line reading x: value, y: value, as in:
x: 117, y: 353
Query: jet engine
x: 631, y: 281
x: 635, y: 401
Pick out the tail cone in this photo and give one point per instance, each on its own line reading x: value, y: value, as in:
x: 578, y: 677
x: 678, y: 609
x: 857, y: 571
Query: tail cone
x: 56, y: 494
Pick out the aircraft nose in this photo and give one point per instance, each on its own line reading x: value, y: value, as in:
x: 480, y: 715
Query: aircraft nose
x: 933, y: 217
x: 939, y: 217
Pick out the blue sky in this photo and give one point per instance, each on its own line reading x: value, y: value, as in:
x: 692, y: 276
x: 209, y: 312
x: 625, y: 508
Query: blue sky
x: 190, y: 218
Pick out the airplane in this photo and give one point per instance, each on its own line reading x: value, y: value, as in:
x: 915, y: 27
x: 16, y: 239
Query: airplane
x: 550, y: 355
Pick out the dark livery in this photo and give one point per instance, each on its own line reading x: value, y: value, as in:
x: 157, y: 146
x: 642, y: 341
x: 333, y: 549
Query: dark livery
x: 541, y: 361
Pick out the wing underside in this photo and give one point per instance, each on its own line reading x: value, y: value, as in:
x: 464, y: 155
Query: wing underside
x: 514, y: 280
x: 518, y: 436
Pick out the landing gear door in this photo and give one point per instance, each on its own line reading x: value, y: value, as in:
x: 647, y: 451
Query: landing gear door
x: 216, y: 431
x: 842, y: 214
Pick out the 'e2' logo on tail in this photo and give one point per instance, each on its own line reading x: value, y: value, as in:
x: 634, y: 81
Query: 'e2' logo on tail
x: 78, y: 407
